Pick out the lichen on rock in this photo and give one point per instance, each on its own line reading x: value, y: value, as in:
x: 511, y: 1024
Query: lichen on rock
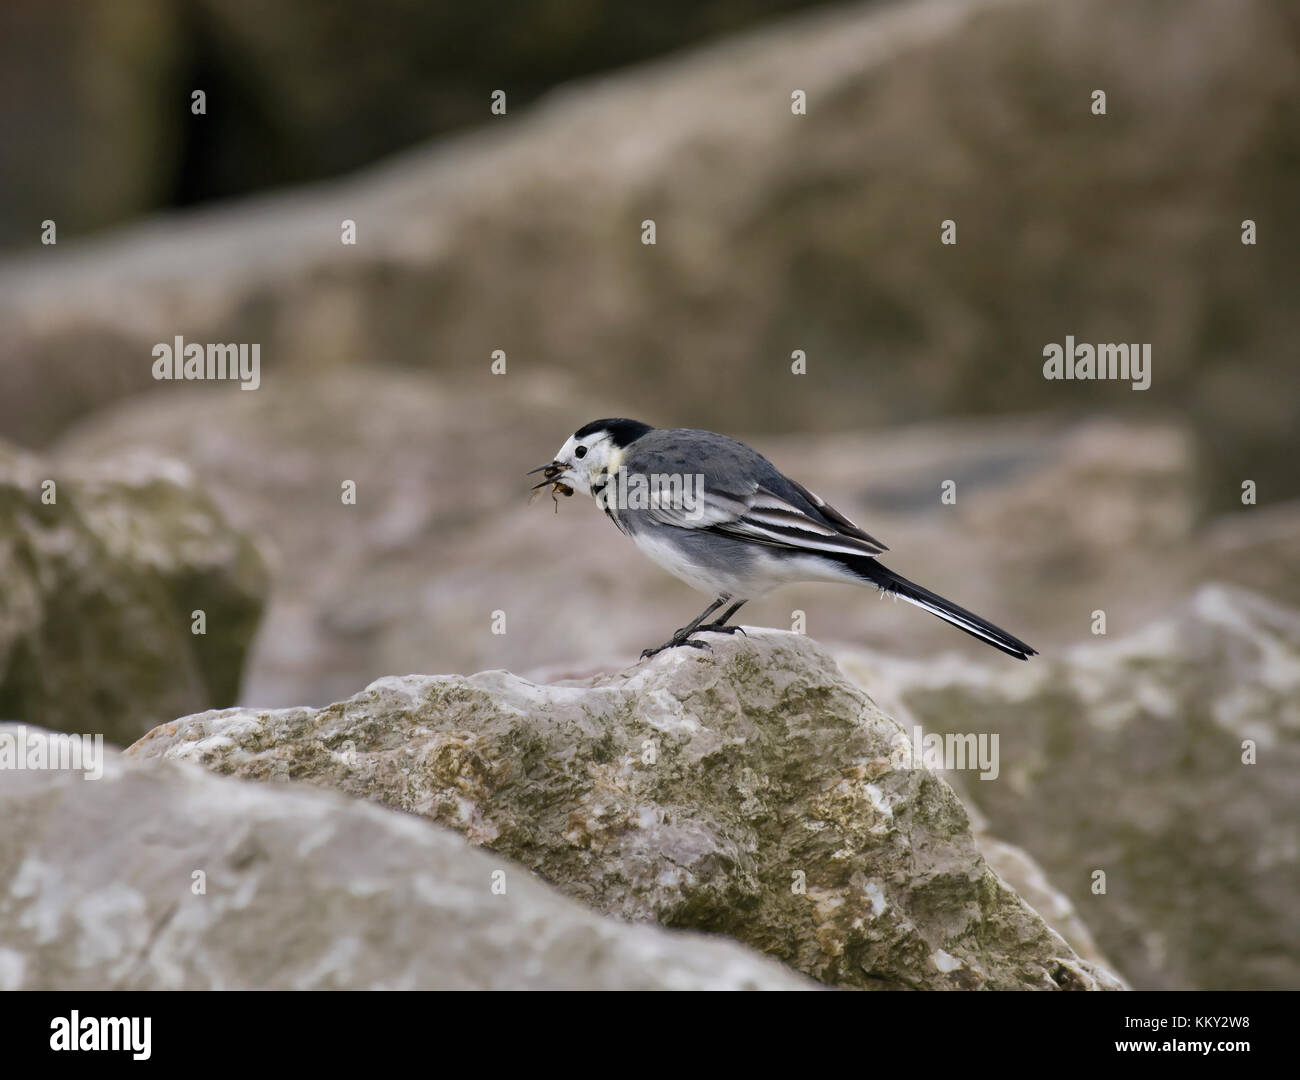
x: 748, y: 791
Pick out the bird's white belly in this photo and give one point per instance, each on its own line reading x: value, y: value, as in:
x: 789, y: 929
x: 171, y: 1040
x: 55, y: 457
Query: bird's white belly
x: 708, y: 579
x: 764, y: 573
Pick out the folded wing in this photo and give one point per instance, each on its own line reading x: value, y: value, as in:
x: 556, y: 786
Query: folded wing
x: 801, y: 522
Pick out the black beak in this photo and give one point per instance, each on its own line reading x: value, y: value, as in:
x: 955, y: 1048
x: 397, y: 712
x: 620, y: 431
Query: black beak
x: 549, y: 472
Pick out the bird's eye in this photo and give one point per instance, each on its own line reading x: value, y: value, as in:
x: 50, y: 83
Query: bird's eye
x: 580, y: 451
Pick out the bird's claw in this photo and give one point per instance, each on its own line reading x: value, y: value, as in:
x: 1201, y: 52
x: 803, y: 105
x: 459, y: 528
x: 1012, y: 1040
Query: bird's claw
x: 682, y: 638
x: 674, y: 643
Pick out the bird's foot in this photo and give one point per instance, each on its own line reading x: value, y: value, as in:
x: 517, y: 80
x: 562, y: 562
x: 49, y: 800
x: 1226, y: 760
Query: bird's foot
x: 684, y: 637
x: 673, y: 643
x: 715, y: 628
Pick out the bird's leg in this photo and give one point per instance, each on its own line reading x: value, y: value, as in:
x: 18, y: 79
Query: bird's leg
x: 682, y: 633
x: 681, y: 637
x: 718, y: 626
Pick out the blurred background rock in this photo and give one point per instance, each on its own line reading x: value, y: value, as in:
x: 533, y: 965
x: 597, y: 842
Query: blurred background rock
x: 775, y: 232
x: 102, y: 88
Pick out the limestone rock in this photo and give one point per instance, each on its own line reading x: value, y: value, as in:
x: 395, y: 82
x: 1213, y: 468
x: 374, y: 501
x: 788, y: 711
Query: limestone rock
x: 100, y: 576
x: 1129, y: 757
x: 747, y: 791
x: 1026, y: 878
x: 162, y: 877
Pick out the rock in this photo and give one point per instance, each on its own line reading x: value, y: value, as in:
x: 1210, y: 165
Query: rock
x: 98, y: 590
x: 95, y: 101
x: 1026, y: 878
x: 1127, y: 757
x: 403, y: 579
x: 747, y: 791
x: 776, y: 232
x: 277, y: 111
x: 161, y: 877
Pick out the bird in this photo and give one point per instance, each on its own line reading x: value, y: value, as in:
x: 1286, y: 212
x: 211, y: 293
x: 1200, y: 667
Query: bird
x: 719, y: 516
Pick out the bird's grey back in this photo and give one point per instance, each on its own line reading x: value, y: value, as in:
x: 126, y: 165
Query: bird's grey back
x: 728, y: 466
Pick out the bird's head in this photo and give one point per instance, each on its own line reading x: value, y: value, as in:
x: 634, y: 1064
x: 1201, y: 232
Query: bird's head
x: 590, y: 452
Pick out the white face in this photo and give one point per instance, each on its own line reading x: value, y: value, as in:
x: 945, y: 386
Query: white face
x: 582, y: 460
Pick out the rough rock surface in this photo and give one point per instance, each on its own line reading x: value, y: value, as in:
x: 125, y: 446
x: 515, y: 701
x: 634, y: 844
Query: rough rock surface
x: 300, y: 889
x: 776, y: 232
x: 1018, y: 869
x: 1126, y: 756
x: 97, y: 591
x: 747, y: 791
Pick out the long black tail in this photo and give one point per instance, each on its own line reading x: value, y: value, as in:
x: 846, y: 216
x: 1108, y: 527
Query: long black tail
x: 889, y: 582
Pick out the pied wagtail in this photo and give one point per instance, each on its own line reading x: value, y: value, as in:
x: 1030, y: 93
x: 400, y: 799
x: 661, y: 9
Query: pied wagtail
x: 748, y: 529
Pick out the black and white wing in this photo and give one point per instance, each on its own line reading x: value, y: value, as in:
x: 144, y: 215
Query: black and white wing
x: 799, y: 520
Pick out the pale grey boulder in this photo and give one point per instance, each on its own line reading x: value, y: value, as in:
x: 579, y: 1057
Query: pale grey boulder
x: 161, y: 876
x: 749, y: 791
x: 102, y: 568
x: 1129, y: 756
